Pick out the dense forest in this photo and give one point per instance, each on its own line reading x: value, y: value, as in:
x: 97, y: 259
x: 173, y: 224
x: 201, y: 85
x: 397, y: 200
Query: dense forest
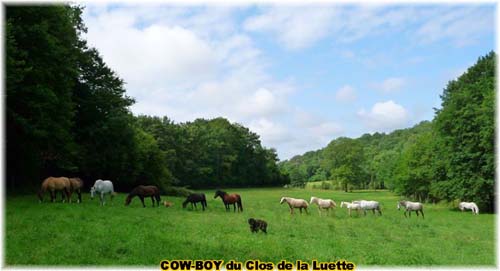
x: 449, y: 158
x: 67, y: 114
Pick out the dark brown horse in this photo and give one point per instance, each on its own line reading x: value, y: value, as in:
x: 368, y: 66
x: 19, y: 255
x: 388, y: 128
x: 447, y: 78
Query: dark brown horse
x: 229, y: 199
x: 53, y: 184
x: 144, y: 191
x: 193, y: 198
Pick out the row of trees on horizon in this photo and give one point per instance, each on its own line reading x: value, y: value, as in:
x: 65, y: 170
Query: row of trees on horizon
x: 449, y: 158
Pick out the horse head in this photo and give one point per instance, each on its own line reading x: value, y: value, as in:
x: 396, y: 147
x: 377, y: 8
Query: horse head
x: 313, y: 199
x: 219, y: 193
x: 283, y: 199
x: 92, y: 192
x: 128, y: 200
x: 401, y: 203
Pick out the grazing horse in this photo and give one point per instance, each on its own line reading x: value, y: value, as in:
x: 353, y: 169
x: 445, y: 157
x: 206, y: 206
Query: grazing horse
x: 369, y: 205
x: 76, y: 185
x: 144, y: 191
x: 469, y: 206
x: 323, y: 204
x: 193, y: 199
x: 53, y: 184
x: 411, y: 206
x: 102, y: 187
x: 295, y: 203
x: 351, y: 206
x: 229, y: 199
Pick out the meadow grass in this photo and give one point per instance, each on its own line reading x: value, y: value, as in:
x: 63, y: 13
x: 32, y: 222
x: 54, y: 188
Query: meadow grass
x: 114, y: 235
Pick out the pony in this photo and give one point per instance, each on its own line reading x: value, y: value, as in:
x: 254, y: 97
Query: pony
x: 323, y: 204
x: 411, y: 206
x: 193, y: 199
x: 229, y: 199
x: 369, y: 205
x: 53, y: 184
x: 351, y: 206
x: 102, y: 187
x: 295, y: 203
x: 76, y: 185
x: 144, y: 191
x: 469, y: 206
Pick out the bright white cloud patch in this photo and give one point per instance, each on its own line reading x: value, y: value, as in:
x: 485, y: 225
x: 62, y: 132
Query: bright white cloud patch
x: 385, y: 116
x: 346, y: 94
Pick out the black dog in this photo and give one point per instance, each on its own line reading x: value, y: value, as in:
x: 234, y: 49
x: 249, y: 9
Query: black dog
x: 257, y: 224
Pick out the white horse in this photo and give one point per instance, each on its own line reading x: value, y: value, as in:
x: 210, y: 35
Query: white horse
x: 323, y: 204
x: 295, y: 203
x: 411, y: 206
x: 351, y: 206
x: 369, y: 205
x: 469, y: 206
x: 102, y: 187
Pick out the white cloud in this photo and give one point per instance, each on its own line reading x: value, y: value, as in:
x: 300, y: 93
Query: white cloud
x: 346, y: 94
x: 392, y: 84
x: 463, y: 26
x: 298, y: 27
x: 385, y: 116
x: 295, y: 27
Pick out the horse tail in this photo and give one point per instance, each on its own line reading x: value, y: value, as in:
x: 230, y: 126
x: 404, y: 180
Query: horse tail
x: 240, y: 205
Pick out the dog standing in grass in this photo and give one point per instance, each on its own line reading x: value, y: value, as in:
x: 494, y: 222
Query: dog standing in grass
x: 257, y: 224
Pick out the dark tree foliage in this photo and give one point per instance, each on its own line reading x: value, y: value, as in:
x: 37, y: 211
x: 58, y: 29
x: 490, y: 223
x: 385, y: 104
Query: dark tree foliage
x: 214, y: 153
x: 41, y: 57
x: 68, y: 114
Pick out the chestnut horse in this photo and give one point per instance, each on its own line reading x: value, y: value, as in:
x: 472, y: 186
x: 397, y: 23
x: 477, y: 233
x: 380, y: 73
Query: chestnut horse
x: 53, y: 184
x: 229, y: 199
x: 144, y: 191
x: 76, y: 185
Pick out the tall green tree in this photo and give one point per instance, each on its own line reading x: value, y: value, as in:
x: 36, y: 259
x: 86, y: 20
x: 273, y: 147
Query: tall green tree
x: 466, y: 127
x: 41, y: 57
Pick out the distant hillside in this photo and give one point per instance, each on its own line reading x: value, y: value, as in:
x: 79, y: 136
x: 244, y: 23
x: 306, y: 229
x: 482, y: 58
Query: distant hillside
x: 450, y: 158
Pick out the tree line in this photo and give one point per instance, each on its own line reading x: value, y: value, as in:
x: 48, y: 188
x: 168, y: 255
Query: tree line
x: 449, y: 158
x: 67, y: 114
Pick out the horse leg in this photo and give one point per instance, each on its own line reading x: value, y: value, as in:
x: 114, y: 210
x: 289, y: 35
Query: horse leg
x: 305, y: 209
x: 68, y: 193
x: 234, y: 207
x: 422, y: 212
x: 101, y: 197
x: 196, y: 207
x: 153, y: 200
x: 142, y: 200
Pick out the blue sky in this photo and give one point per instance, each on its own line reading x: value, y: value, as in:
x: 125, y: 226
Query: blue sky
x: 298, y: 75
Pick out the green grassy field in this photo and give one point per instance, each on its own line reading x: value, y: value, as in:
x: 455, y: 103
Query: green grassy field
x: 88, y: 234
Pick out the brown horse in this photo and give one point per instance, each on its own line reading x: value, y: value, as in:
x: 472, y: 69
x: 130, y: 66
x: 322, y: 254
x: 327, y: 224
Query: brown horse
x: 53, y: 184
x: 144, y: 191
x: 229, y: 199
x: 76, y: 185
